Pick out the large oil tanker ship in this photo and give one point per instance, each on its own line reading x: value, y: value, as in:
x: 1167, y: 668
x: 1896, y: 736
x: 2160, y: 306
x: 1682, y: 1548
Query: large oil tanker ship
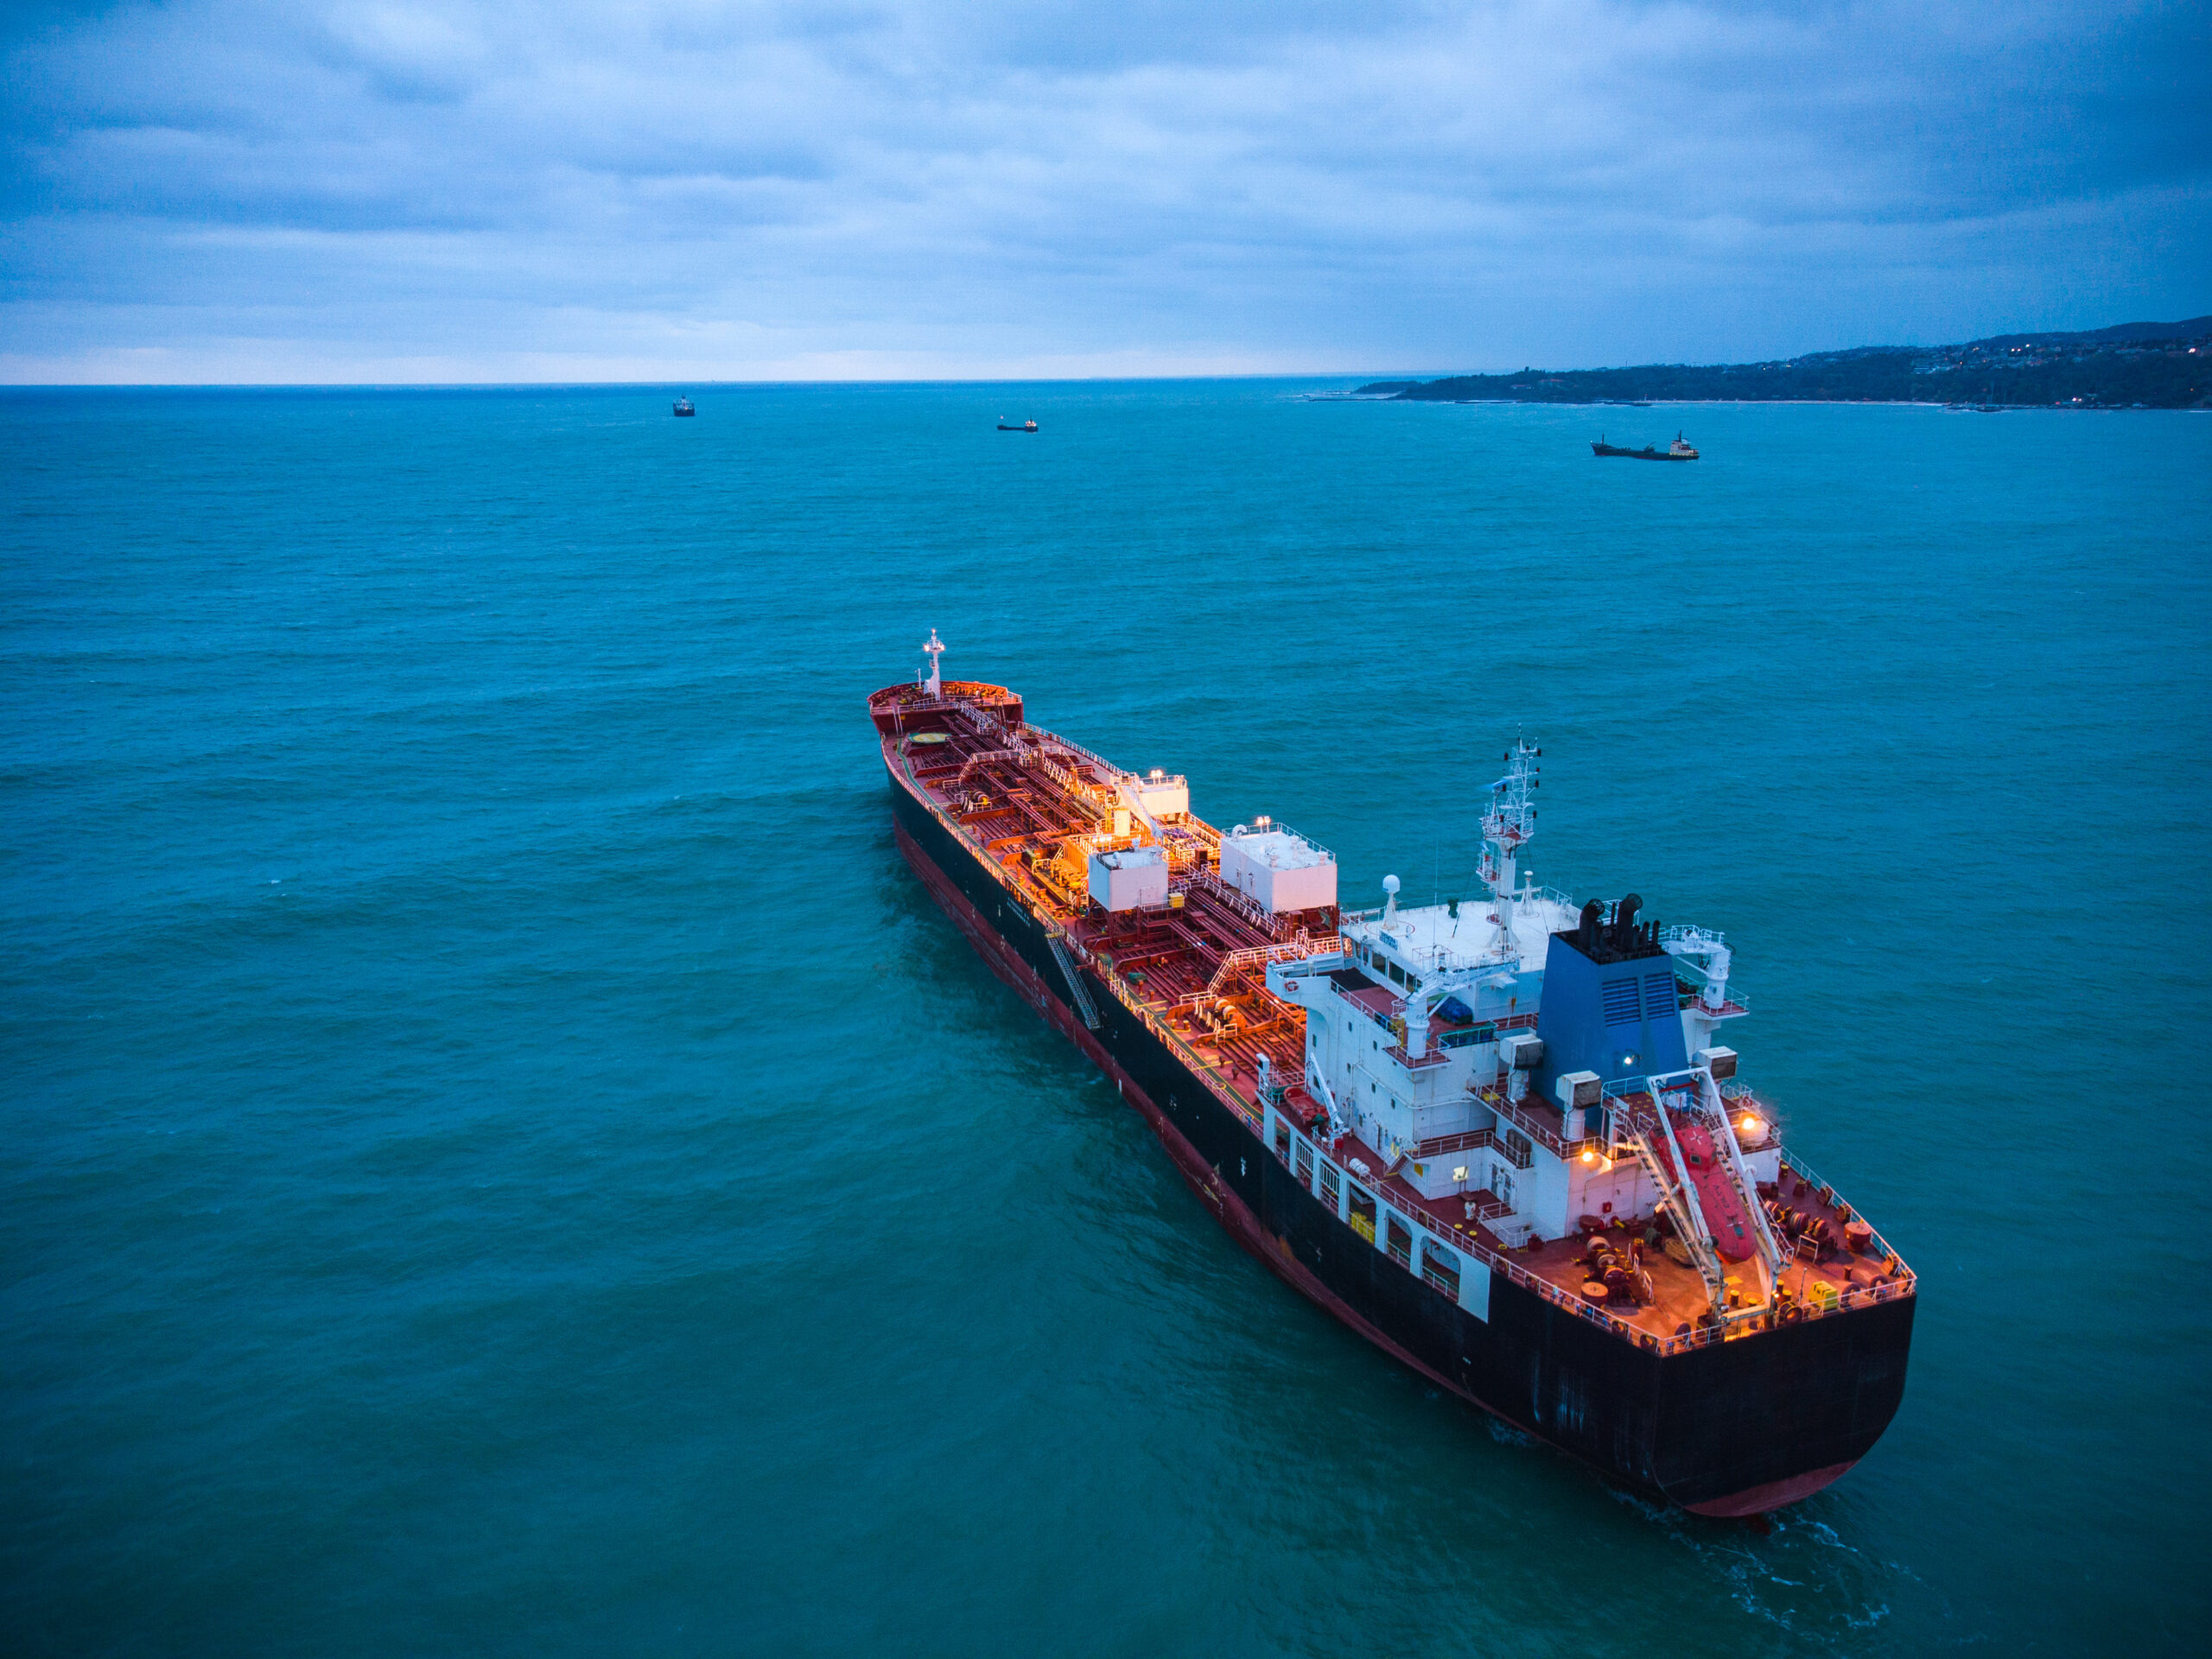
x: 1500, y: 1138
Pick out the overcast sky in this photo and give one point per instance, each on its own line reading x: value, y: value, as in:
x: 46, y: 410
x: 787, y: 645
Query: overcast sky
x: 251, y: 190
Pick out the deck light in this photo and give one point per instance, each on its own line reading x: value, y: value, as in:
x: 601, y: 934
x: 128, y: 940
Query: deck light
x: 1589, y: 1157
x: 1752, y: 1125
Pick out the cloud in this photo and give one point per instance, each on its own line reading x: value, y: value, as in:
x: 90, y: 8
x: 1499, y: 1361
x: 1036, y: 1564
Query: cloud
x: 233, y: 188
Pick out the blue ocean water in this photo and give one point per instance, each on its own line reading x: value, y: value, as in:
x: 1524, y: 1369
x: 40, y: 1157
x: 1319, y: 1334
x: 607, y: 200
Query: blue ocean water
x: 501, y: 1157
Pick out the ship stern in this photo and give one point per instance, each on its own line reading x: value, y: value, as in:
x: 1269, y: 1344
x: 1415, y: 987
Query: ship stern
x: 1764, y: 1420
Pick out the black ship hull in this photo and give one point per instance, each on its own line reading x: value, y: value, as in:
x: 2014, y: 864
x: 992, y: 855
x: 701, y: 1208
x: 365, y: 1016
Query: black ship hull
x: 1645, y: 454
x: 1732, y: 1429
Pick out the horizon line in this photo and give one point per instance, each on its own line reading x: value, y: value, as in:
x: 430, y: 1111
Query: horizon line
x: 654, y: 385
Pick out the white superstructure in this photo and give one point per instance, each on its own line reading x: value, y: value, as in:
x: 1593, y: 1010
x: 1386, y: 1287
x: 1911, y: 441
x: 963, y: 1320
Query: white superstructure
x: 1420, y: 1041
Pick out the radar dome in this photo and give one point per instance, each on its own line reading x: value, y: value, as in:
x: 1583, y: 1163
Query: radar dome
x: 1390, y: 884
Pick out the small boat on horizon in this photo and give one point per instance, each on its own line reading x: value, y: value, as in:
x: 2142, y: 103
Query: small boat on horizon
x: 683, y: 407
x: 1005, y: 425
x: 1677, y: 450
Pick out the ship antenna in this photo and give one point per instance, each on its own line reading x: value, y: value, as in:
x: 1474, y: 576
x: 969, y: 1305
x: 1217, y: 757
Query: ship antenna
x: 1510, y: 823
x: 934, y: 685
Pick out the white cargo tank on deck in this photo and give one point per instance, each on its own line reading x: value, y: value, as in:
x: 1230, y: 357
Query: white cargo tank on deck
x: 1279, y: 867
x: 1135, y: 879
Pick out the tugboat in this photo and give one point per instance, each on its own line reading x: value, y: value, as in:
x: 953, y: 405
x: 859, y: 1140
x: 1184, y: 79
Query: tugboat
x: 1551, y: 1193
x: 1006, y: 425
x: 683, y: 407
x: 1677, y: 450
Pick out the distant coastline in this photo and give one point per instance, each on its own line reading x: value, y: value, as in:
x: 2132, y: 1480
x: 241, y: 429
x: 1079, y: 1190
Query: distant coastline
x: 2132, y: 366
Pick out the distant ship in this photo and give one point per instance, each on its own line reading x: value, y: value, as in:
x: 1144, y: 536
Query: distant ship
x: 1011, y: 426
x: 683, y: 406
x: 1677, y: 450
x: 1549, y: 1191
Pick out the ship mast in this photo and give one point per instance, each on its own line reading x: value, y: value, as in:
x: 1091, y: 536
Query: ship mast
x: 1507, y: 827
x: 934, y: 685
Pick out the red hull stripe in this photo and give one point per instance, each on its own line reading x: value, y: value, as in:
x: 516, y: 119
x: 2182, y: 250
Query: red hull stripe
x: 1757, y: 1500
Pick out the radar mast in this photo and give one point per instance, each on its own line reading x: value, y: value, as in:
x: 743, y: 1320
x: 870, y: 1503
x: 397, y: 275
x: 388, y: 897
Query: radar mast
x: 1507, y: 827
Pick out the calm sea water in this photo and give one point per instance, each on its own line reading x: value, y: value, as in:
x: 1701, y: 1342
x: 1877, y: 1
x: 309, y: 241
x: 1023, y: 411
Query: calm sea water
x: 501, y: 1157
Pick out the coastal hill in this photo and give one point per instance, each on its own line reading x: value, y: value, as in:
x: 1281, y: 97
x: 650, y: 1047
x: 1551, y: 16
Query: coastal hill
x: 2134, y: 365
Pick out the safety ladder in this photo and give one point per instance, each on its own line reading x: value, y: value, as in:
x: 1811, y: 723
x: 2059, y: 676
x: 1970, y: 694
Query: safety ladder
x: 1083, y: 1005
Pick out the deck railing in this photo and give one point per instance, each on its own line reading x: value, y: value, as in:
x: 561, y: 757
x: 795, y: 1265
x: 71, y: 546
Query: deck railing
x: 1530, y: 1124
x: 1442, y: 1144
x: 1879, y: 1245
